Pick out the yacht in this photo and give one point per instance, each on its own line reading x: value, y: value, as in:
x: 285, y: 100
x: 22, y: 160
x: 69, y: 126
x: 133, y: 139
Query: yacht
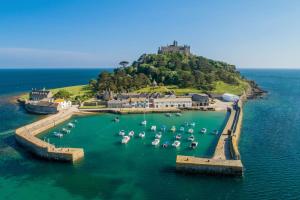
x: 176, y: 144
x: 122, y: 133
x: 142, y: 134
x: 125, y: 139
x: 193, y: 124
x: 178, y: 114
x: 173, y: 129
x: 64, y: 130
x: 191, y: 131
x: 194, y: 145
x: 59, y: 135
x: 178, y: 137
x: 155, y: 142
x: 131, y: 133
x: 71, y: 125
x: 144, y: 123
x: 153, y: 128
x: 203, y: 130
x: 158, y: 135
x: 191, y: 138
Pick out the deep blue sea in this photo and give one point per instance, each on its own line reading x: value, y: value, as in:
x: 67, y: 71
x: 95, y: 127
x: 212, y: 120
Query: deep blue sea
x: 269, y: 148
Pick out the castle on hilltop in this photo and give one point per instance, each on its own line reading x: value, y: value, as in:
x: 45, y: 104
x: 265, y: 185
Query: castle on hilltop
x: 174, y: 48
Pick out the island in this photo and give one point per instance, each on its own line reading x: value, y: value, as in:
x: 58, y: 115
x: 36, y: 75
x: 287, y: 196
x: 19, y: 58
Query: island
x: 172, y: 80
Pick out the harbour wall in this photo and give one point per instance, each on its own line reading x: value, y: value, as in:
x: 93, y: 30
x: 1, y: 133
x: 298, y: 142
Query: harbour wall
x: 133, y: 110
x: 26, y: 136
x: 226, y: 159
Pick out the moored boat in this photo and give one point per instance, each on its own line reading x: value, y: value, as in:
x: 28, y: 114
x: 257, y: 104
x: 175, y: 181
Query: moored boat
x: 178, y: 114
x: 71, y: 125
x: 178, y: 137
x: 173, y: 129
x: 131, y: 133
x: 117, y: 119
x: 194, y: 145
x: 122, y: 132
x: 193, y: 124
x: 176, y: 144
x: 166, y: 144
x: 125, y: 139
x: 191, y: 138
x: 144, y: 123
x: 153, y: 128
x: 191, y: 131
x: 64, y: 130
x: 181, y: 129
x: 142, y: 134
x: 158, y: 135
x: 155, y: 142
x: 168, y: 114
x: 203, y: 130
x: 163, y: 128
x: 57, y: 134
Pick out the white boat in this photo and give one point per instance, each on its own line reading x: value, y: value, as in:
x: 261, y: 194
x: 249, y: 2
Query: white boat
x: 71, y: 125
x: 216, y: 132
x: 155, y: 142
x: 191, y: 131
x: 125, y: 139
x: 75, y: 121
x: 64, y: 130
x: 117, y: 119
x: 173, y: 129
x: 178, y: 114
x: 131, y: 133
x: 153, y: 128
x: 203, y: 130
x: 144, y: 123
x: 59, y: 135
x: 176, y: 144
x: 181, y: 129
x: 122, y: 133
x: 142, y: 134
x: 168, y: 114
x: 158, y: 135
x: 194, y: 145
x: 178, y: 137
x: 191, y: 138
x: 193, y: 124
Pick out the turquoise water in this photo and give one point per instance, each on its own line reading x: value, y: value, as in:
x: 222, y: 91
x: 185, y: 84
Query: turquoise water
x: 269, y: 147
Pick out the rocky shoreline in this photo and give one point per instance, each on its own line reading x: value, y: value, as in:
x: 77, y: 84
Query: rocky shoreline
x: 255, y: 92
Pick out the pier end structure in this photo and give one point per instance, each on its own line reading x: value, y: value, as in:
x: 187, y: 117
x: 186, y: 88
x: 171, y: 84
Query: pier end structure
x: 26, y: 136
x: 226, y: 159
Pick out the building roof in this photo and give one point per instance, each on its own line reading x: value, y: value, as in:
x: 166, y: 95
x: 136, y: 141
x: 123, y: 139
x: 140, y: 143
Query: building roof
x: 59, y: 100
x: 180, y: 99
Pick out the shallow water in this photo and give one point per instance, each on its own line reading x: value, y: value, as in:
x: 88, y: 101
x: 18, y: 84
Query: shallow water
x: 269, y: 148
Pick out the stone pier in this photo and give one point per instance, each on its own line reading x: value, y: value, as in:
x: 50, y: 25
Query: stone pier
x: 26, y: 136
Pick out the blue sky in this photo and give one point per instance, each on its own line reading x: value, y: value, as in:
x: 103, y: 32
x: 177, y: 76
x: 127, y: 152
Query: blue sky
x: 97, y: 33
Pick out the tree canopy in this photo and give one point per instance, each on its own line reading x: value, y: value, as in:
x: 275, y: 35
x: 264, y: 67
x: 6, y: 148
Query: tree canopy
x: 169, y: 69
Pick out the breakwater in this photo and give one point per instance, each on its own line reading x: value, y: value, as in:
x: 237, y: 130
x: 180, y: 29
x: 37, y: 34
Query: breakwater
x: 226, y: 159
x: 26, y: 136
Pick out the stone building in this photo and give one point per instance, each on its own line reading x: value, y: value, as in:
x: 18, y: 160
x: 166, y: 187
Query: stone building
x: 38, y: 95
x: 180, y: 102
x: 174, y: 48
x: 200, y: 99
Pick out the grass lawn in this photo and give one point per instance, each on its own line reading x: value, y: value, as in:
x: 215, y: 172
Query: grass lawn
x: 220, y: 88
x: 77, y: 90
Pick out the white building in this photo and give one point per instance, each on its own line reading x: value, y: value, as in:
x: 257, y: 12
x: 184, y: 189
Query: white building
x: 180, y: 102
x: 230, y: 97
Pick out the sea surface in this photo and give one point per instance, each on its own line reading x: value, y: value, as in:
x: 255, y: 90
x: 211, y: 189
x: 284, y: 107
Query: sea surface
x: 269, y: 147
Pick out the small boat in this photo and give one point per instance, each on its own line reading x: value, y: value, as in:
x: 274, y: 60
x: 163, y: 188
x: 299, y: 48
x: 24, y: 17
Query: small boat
x: 168, y: 114
x: 163, y: 128
x: 142, y: 134
x: 176, y: 144
x: 144, y: 123
x: 178, y: 114
x: 178, y: 137
x: 59, y: 135
x: 64, y: 130
x: 155, y: 142
x: 191, y: 138
x: 181, y: 129
x: 194, y: 145
x: 122, y: 133
x: 203, y: 130
x: 131, y: 133
x: 166, y: 144
x: 125, y: 139
x: 216, y: 132
x: 158, y: 135
x: 153, y: 128
x: 193, y: 124
x: 191, y: 131
x: 117, y: 119
x: 173, y: 129
x: 71, y: 125
x: 186, y: 124
x: 75, y: 121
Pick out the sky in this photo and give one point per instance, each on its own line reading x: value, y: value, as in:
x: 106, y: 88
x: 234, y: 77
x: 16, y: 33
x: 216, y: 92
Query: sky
x: 101, y: 33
